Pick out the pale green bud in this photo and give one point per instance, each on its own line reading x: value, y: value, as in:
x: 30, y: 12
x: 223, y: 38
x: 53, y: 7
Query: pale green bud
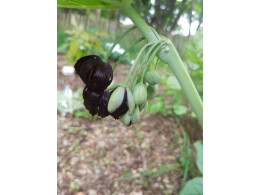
x: 152, y: 77
x: 141, y: 107
x: 116, y: 99
x: 140, y: 94
x: 125, y: 118
x: 130, y: 101
x: 152, y: 91
x: 135, y: 116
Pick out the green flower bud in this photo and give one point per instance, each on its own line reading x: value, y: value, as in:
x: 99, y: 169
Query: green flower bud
x: 140, y: 94
x: 141, y: 107
x: 130, y: 101
x: 152, y: 91
x: 116, y: 99
x: 125, y: 118
x: 152, y: 77
x: 135, y: 116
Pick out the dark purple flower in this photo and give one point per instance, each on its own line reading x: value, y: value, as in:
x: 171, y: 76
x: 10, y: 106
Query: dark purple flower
x: 96, y: 74
x: 91, y: 101
x: 103, y: 102
x: 96, y: 102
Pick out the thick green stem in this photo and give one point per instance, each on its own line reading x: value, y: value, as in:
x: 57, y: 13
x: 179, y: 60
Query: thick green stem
x: 172, y: 58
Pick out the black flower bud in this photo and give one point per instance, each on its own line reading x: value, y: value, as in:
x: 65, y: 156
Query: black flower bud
x: 96, y: 74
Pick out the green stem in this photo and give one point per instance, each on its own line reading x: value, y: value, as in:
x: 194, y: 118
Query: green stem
x: 174, y: 61
x: 151, y: 58
x: 117, y: 41
x: 136, y: 62
x: 126, y: 51
x: 148, y: 54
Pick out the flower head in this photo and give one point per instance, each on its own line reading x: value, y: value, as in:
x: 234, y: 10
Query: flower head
x: 96, y: 74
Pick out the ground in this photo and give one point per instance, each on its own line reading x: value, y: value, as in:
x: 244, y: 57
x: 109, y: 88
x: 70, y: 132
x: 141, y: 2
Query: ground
x: 93, y: 154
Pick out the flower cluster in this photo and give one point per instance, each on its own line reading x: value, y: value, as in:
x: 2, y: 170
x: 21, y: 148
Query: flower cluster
x: 118, y: 101
x: 96, y: 75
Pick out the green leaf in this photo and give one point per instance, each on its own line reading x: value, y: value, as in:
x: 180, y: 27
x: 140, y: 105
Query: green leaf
x: 86, y: 4
x: 173, y: 83
x: 199, y: 161
x: 157, y: 107
x: 180, y: 109
x: 73, y: 48
x: 193, y: 187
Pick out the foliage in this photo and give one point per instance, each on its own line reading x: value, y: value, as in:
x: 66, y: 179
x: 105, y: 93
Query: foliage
x: 61, y: 39
x: 186, y: 156
x: 80, y: 43
x: 194, y: 60
x: 199, y: 162
x: 195, y: 185
x: 172, y: 89
x: 82, y: 4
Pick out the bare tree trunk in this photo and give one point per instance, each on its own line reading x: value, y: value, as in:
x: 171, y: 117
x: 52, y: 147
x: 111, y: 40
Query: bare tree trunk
x: 200, y: 19
x: 190, y: 18
x: 181, y: 10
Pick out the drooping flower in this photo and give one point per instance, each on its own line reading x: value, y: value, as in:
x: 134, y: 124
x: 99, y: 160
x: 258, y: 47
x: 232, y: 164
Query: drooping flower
x: 96, y: 103
x: 121, y: 101
x: 96, y: 74
x: 91, y: 101
x: 103, y: 102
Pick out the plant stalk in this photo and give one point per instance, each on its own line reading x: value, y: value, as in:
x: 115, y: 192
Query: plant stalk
x: 174, y: 61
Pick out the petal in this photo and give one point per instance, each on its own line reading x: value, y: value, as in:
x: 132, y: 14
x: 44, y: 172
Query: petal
x: 100, y: 77
x: 91, y: 100
x: 103, y: 102
x: 85, y: 64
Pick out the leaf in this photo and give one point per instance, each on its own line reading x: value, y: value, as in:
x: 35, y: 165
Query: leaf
x: 199, y: 161
x: 180, y: 109
x: 73, y: 48
x: 157, y: 107
x: 86, y: 4
x: 193, y: 187
x: 173, y: 83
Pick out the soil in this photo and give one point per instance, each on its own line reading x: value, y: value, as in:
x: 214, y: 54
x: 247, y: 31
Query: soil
x: 95, y: 153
